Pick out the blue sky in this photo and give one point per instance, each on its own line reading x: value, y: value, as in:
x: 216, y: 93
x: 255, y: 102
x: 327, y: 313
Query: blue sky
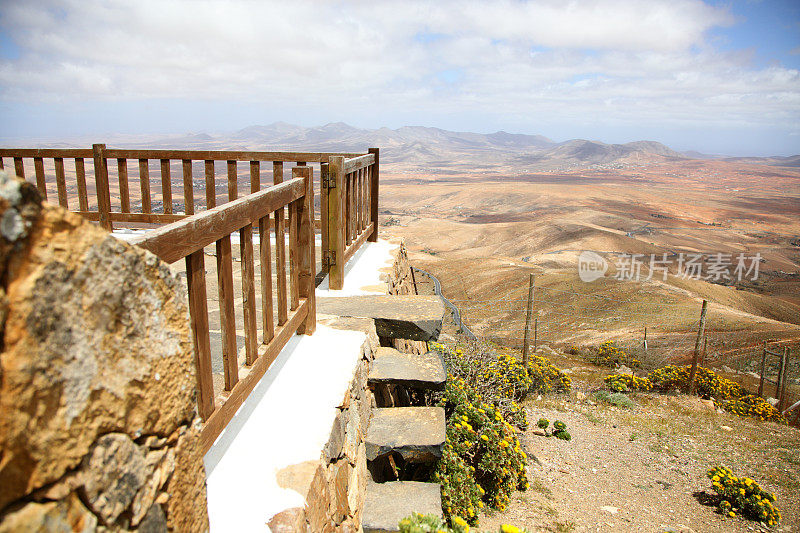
x: 718, y: 77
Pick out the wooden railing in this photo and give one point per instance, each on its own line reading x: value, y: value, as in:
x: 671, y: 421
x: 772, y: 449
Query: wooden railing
x: 296, y: 311
x: 94, y: 200
x: 349, y: 217
x: 350, y: 206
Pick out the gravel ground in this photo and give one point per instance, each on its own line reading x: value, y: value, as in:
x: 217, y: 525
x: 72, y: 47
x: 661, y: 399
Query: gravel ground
x: 643, y: 469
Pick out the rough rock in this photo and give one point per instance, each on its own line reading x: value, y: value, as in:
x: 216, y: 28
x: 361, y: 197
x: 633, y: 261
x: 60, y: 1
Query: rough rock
x: 288, y: 521
x: 124, y: 317
x: 186, y: 507
x: 398, y: 317
x: 333, y: 448
x: 64, y: 515
x: 624, y: 370
x: 342, y: 475
x: 318, y: 503
x: 114, y: 471
x: 426, y: 371
x: 416, y: 433
x: 388, y: 503
x: 155, y: 521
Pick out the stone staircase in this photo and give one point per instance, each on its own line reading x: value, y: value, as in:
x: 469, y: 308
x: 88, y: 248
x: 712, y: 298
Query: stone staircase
x: 405, y: 437
x: 403, y: 444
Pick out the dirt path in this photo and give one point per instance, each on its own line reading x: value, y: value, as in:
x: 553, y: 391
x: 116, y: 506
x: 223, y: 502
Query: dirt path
x: 642, y: 469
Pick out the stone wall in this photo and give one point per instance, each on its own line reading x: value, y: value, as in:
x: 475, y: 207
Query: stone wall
x: 400, y: 280
x: 335, y: 485
x: 97, y: 390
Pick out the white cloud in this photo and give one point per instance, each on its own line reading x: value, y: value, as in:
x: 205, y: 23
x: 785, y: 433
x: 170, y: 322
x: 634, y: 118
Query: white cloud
x: 615, y: 60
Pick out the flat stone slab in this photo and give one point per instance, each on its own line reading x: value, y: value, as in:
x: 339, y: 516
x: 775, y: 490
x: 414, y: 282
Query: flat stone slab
x: 426, y: 371
x: 412, y: 317
x: 385, y: 504
x: 416, y: 433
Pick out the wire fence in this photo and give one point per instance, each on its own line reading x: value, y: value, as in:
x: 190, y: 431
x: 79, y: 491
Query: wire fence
x: 654, y: 332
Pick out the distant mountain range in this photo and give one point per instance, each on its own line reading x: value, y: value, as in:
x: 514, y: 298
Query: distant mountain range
x: 437, y: 150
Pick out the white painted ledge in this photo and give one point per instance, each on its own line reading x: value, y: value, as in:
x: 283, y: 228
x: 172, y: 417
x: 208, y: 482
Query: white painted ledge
x: 287, y: 418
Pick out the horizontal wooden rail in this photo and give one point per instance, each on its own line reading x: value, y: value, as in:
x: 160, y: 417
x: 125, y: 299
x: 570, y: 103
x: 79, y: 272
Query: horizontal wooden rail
x: 223, y: 155
x: 177, y: 240
x: 46, y: 152
x: 357, y: 163
x: 166, y: 190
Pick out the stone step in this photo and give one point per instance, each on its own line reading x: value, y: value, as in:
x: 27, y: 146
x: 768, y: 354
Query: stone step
x: 385, y: 504
x: 426, y: 371
x: 412, y: 317
x: 416, y: 433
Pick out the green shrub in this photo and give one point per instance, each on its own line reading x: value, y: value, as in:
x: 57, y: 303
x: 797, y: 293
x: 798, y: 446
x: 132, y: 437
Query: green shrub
x: 743, y: 495
x: 543, y: 423
x: 617, y: 399
x: 563, y: 435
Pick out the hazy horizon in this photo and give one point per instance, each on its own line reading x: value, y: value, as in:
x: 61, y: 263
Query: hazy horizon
x: 711, y: 76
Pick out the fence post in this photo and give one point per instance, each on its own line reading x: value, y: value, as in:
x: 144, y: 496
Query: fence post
x: 335, y: 222
x: 305, y: 243
x: 373, y: 207
x: 763, y: 369
x: 783, y: 399
x: 101, y: 186
x: 528, y: 314
x: 700, y: 331
x: 323, y: 217
x: 644, y: 344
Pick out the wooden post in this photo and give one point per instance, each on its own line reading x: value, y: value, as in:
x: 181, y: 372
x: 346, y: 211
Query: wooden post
x: 644, y: 344
x: 373, y: 191
x: 705, y: 349
x: 535, y: 334
x: 198, y: 312
x: 280, y: 249
x: 306, y: 254
x: 166, y: 187
x: 784, y: 379
x: 323, y: 216
x: 227, y: 316
x: 41, y: 182
x: 781, y: 373
x: 336, y: 227
x: 700, y: 331
x: 61, y: 182
x: 528, y: 315
x: 101, y: 186
x: 763, y: 369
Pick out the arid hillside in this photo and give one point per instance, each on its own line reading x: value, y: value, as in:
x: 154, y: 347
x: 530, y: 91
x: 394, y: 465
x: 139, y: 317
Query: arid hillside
x: 482, y: 235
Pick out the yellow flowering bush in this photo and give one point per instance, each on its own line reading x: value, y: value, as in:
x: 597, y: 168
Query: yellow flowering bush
x: 417, y: 523
x: 546, y: 377
x: 609, y: 354
x: 754, y: 406
x: 482, y: 462
x: 727, y: 394
x: 627, y: 383
x: 743, y: 495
